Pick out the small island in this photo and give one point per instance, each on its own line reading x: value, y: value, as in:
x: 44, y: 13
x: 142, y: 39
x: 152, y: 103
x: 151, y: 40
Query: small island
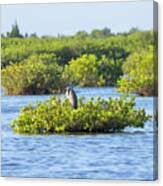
x: 92, y: 116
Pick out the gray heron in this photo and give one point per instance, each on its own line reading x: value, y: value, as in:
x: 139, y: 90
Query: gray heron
x: 71, y: 95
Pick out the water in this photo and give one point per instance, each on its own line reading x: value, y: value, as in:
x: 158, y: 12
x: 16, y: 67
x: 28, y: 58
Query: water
x: 127, y: 155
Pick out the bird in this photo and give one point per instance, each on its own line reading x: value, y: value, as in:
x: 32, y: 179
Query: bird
x: 71, y: 95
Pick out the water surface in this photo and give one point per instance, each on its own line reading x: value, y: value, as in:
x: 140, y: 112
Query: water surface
x: 127, y: 155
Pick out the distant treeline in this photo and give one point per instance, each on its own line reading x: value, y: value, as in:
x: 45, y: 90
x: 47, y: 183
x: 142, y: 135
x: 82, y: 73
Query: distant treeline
x: 34, y: 65
x: 96, y: 33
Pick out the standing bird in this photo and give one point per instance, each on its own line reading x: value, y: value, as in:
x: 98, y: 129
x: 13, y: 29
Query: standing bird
x: 71, y: 95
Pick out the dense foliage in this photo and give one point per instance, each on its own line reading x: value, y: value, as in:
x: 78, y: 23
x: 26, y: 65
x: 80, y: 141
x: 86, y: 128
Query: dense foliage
x: 92, y: 116
x: 116, y: 47
x: 139, y: 73
x: 94, y: 59
x: 89, y: 71
x: 32, y: 76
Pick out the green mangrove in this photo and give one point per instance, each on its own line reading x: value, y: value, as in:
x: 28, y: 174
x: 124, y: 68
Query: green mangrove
x: 92, y: 116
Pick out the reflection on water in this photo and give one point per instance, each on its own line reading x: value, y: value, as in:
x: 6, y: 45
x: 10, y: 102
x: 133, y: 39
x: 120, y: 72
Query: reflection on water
x: 127, y: 155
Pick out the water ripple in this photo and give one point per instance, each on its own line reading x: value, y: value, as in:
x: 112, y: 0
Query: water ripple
x: 127, y: 155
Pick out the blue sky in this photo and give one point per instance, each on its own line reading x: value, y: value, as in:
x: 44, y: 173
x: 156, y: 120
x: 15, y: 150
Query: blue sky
x: 68, y: 18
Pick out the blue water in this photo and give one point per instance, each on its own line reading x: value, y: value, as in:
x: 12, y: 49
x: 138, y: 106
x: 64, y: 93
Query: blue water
x: 127, y: 155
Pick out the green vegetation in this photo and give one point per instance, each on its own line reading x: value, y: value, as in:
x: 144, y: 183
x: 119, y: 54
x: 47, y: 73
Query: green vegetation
x: 139, y: 73
x: 89, y: 71
x: 94, y: 116
x: 32, y: 76
x: 15, y: 32
x: 99, y: 58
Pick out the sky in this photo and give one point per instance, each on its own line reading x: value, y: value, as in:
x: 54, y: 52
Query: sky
x: 68, y: 18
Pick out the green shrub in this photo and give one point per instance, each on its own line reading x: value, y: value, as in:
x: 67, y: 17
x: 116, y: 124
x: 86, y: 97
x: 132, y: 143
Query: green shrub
x: 83, y: 70
x: 94, y: 116
x: 88, y: 70
x: 140, y: 76
x: 32, y: 76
